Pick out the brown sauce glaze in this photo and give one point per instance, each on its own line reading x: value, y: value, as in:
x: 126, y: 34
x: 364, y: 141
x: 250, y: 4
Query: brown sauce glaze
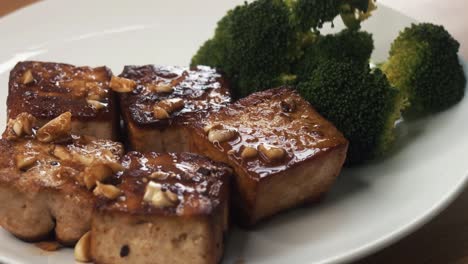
x: 56, y: 88
x: 202, y: 89
x: 201, y: 185
x: 277, y: 118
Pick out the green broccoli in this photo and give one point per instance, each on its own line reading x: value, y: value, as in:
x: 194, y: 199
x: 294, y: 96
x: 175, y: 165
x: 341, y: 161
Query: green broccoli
x: 359, y: 101
x: 251, y: 46
x: 424, y: 65
x: 312, y: 14
x: 353, y: 12
x: 347, y: 45
x: 257, y: 44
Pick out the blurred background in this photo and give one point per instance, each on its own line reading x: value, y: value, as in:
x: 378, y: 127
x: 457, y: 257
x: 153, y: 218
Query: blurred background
x: 450, y: 13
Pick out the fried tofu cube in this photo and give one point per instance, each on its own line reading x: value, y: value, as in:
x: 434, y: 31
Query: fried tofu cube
x: 155, y: 113
x: 282, y: 151
x: 43, y: 186
x: 173, y: 209
x: 46, y: 90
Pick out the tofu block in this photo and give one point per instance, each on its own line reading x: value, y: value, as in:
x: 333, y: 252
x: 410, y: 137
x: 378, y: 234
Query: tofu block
x: 173, y: 209
x: 43, y: 184
x: 156, y: 112
x: 282, y: 151
x: 46, y: 90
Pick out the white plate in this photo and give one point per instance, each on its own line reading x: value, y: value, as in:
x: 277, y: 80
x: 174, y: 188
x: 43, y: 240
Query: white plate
x: 368, y: 208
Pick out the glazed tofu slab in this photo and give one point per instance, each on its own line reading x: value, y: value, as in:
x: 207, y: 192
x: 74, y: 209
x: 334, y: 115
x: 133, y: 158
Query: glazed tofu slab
x: 46, y: 178
x: 157, y: 110
x: 46, y: 90
x: 173, y: 208
x: 282, y: 151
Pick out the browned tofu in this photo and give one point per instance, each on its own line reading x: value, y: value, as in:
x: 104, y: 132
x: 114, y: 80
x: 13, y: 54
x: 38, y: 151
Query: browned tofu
x: 46, y: 90
x: 43, y: 184
x: 282, y: 151
x: 156, y: 112
x: 173, y: 209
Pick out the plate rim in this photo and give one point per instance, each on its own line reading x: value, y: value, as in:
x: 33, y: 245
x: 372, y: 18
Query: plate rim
x: 371, y: 246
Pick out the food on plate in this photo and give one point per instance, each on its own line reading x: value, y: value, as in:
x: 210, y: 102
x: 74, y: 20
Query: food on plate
x: 278, y: 148
x: 345, y: 46
x: 314, y: 14
x: 45, y: 185
x: 173, y: 208
x: 164, y: 97
x: 46, y: 90
x: 256, y: 44
x: 424, y: 65
x: 282, y: 151
x: 360, y: 102
x: 268, y: 43
x: 250, y: 45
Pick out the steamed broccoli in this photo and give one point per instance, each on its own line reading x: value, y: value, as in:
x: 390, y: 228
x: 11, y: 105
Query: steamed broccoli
x: 359, y: 101
x: 250, y: 45
x: 256, y: 44
x: 353, y: 12
x: 347, y: 46
x: 424, y: 65
x: 312, y: 14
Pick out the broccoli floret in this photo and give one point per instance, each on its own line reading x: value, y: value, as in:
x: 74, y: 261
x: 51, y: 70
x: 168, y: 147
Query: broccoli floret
x: 257, y: 44
x: 313, y: 14
x: 347, y: 46
x: 251, y: 46
x: 359, y: 102
x: 424, y: 65
x: 353, y: 12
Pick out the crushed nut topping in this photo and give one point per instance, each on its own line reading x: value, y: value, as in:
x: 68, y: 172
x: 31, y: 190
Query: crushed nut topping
x: 82, y: 250
x: 27, y: 77
x: 160, y: 113
x: 171, y: 105
x: 56, y: 129
x: 158, y: 197
x: 96, y: 104
x: 122, y: 85
x: 107, y: 190
x: 161, y: 88
x: 62, y: 153
x: 272, y: 153
x: 249, y: 152
x: 221, y: 135
x: 160, y: 175
x: 208, y: 127
x: 96, y: 173
x: 20, y: 126
x: 25, y: 161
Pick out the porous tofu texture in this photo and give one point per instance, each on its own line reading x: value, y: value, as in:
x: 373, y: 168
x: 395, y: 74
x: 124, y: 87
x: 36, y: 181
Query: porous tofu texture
x: 173, y: 209
x: 46, y: 90
x: 282, y: 151
x: 165, y: 98
x: 42, y: 187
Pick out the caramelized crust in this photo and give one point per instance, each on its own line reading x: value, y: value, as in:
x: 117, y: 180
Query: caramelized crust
x: 201, y: 90
x: 51, y: 170
x: 282, y: 151
x: 42, y: 186
x: 200, y: 184
x: 47, y: 90
x: 182, y: 220
x: 277, y: 118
